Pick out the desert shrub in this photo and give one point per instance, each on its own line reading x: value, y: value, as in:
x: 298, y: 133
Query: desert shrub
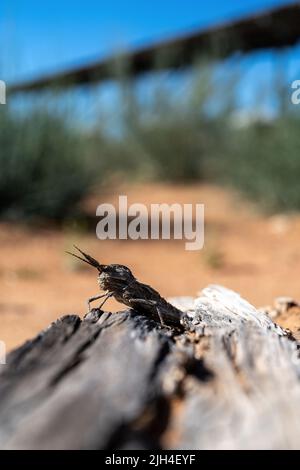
x: 45, y: 171
x: 263, y: 161
x: 170, y: 136
x: 176, y: 149
x: 48, y: 165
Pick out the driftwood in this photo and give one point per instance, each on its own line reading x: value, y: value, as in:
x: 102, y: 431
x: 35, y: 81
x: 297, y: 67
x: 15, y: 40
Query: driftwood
x: 122, y: 381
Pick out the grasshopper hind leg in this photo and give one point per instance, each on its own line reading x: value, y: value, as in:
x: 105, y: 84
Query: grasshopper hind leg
x: 142, y: 303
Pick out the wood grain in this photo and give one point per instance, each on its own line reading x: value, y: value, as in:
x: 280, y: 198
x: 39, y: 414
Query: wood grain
x: 121, y: 381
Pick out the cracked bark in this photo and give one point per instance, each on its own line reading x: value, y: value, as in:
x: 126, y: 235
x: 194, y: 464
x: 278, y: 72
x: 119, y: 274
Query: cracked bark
x: 120, y: 381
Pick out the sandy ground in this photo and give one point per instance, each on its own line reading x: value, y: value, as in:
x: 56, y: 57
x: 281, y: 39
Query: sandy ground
x: 254, y: 255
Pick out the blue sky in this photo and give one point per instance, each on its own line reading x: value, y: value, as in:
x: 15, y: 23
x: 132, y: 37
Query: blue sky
x: 37, y: 37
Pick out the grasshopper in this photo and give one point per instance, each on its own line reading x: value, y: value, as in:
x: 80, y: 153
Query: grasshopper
x: 118, y: 281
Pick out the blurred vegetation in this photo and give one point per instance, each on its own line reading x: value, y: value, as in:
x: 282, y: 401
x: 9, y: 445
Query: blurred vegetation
x: 263, y: 161
x: 44, y: 166
x: 51, y: 161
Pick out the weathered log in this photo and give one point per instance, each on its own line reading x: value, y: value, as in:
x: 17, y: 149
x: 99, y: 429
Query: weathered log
x: 121, y: 381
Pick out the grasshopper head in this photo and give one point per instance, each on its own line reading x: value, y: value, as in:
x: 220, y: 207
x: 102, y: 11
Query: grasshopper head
x: 115, y: 277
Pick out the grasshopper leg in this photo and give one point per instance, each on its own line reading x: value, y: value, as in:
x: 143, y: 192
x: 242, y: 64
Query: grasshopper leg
x: 161, y: 318
x: 143, y: 302
x: 107, y: 296
x: 96, y: 297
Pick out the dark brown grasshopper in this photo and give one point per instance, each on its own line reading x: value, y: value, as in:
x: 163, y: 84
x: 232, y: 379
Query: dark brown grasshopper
x: 118, y: 281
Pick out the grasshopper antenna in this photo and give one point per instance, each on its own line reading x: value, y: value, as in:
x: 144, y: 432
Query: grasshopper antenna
x: 87, y: 259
